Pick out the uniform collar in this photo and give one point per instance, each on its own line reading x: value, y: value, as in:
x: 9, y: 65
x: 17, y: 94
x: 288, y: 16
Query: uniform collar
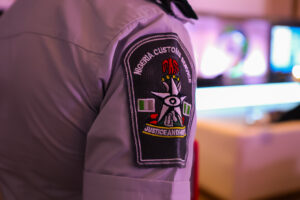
x: 184, y: 7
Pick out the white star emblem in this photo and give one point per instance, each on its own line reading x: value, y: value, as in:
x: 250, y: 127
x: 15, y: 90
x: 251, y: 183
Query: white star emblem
x: 171, y: 100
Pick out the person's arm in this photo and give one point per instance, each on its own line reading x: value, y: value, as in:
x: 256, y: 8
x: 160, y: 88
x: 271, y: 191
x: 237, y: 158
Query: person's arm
x: 140, y: 145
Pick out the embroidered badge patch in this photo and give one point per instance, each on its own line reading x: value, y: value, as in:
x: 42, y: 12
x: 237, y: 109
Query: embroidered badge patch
x: 160, y: 89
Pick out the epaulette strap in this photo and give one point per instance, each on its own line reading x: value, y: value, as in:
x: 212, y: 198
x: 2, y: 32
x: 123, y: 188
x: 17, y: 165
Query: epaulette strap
x: 182, y: 5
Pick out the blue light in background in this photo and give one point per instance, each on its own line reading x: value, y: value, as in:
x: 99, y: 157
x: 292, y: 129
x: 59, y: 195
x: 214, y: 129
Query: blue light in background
x: 284, y: 48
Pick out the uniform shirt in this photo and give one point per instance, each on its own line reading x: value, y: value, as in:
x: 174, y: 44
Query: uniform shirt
x: 65, y: 125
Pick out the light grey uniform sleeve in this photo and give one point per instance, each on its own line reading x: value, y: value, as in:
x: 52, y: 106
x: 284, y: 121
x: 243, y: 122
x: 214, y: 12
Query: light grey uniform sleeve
x: 110, y: 170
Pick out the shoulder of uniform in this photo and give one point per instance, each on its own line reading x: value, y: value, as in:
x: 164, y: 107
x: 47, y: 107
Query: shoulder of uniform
x: 92, y: 24
x: 117, y: 16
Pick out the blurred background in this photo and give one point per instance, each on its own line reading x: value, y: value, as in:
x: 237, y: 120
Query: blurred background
x: 248, y: 63
x: 247, y: 56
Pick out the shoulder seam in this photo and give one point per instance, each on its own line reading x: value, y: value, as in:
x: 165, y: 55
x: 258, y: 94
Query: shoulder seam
x: 130, y: 23
x: 127, y: 26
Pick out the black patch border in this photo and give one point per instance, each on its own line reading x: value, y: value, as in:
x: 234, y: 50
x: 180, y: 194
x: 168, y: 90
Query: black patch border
x: 173, y: 162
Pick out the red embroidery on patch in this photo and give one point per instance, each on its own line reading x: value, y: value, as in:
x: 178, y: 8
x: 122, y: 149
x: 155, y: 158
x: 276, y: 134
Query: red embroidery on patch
x: 154, y: 116
x: 171, y: 66
x: 153, y: 122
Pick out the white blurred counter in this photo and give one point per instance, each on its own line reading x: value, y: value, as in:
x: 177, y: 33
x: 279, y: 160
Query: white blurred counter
x: 239, y: 161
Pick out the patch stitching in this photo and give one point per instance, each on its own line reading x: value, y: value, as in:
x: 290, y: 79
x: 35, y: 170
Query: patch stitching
x: 133, y: 102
